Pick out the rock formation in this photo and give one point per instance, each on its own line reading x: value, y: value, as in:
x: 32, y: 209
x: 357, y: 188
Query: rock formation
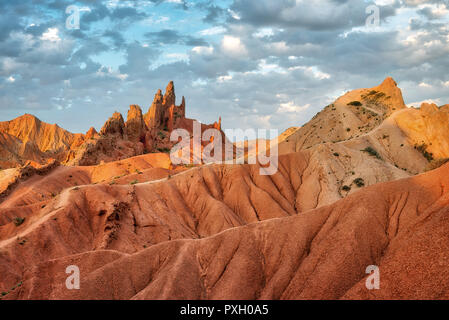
x: 114, y: 126
x: 28, y: 138
x: 135, y: 124
x: 154, y: 117
x: 347, y: 195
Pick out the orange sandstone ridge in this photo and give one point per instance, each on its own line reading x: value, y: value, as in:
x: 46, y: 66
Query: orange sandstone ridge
x: 363, y: 183
x: 27, y: 138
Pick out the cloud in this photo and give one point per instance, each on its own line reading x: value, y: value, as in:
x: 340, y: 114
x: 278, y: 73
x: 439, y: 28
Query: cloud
x: 252, y: 62
x: 233, y: 46
x: 291, y: 107
x: 52, y: 34
x: 433, y: 12
x: 311, y: 15
x: 168, y: 36
x: 212, y: 31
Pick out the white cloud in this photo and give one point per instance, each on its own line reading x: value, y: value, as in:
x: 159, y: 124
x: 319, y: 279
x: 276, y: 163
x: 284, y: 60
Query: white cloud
x: 234, y: 14
x: 177, y: 56
x: 265, y: 68
x: 279, y: 47
x: 203, y: 50
x: 222, y: 79
x: 52, y: 34
x: 425, y: 85
x: 312, y: 72
x: 418, y: 104
x: 104, y: 71
x: 155, y: 20
x: 291, y: 107
x: 233, y: 46
x: 11, y: 79
x: 264, y: 32
x: 212, y: 31
x: 437, y: 10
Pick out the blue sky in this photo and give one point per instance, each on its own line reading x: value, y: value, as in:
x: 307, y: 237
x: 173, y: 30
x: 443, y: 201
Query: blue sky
x: 257, y: 63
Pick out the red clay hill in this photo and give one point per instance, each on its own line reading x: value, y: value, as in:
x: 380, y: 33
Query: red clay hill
x: 364, y: 183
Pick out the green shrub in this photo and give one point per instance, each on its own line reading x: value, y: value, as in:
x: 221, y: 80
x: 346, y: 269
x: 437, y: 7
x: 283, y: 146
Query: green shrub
x: 355, y: 103
x: 423, y: 149
x: 372, y: 152
x: 134, y: 182
x: 359, y: 182
x: 18, y: 221
x: 346, y: 188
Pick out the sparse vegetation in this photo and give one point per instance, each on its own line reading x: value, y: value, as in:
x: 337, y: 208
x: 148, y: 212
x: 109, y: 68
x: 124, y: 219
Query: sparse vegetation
x: 372, y: 152
x: 346, y: 188
x: 423, y: 149
x: 336, y: 154
x: 359, y: 182
x: 436, y: 163
x: 134, y: 182
x: 163, y: 150
x: 355, y: 103
x: 18, y: 221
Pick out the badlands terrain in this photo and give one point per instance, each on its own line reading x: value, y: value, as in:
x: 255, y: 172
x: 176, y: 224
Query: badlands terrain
x: 365, y: 182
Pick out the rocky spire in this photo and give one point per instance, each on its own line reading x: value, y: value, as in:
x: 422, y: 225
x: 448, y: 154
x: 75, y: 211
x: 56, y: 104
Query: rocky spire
x: 114, y: 126
x: 135, y: 125
x: 391, y: 90
x: 182, y: 108
x: 154, y: 116
x: 91, y: 133
x: 169, y: 96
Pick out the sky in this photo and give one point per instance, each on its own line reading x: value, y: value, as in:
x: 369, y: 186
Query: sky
x: 262, y: 64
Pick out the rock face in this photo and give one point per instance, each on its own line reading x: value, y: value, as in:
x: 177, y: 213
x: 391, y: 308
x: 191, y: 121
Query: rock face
x: 154, y: 117
x: 135, y: 124
x: 318, y: 254
x: 163, y: 113
x: 114, y: 126
x: 375, y: 121
x: 28, y: 138
x: 356, y: 113
x: 139, y: 227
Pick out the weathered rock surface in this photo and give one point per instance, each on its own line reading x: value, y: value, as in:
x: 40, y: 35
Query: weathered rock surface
x: 320, y: 254
x: 139, y: 227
